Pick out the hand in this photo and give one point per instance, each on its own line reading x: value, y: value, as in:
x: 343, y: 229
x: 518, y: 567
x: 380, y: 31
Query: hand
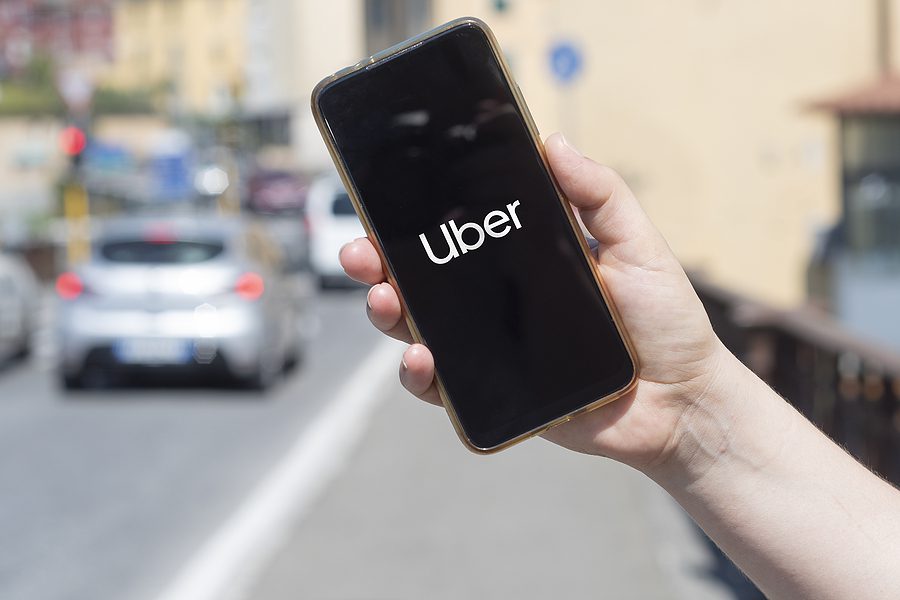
x: 679, y: 356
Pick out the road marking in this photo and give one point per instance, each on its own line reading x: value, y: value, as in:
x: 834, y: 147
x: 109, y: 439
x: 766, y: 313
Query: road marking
x: 229, y: 562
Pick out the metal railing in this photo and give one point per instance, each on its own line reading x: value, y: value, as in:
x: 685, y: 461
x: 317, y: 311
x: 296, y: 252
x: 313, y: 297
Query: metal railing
x: 847, y: 385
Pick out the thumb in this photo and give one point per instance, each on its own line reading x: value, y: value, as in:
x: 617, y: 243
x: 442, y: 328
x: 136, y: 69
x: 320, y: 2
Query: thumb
x: 608, y: 208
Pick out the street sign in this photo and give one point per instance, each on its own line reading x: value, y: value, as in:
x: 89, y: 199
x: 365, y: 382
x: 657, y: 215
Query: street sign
x: 566, y: 61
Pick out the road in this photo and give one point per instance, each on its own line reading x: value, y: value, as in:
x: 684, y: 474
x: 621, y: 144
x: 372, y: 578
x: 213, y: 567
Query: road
x: 105, y: 494
x: 414, y: 515
x: 111, y: 494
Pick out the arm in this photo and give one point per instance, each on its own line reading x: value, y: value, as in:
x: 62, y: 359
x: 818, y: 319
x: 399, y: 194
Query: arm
x: 793, y: 510
x: 799, y: 515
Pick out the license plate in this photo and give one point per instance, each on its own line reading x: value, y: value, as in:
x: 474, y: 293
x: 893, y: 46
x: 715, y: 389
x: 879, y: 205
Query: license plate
x: 152, y: 351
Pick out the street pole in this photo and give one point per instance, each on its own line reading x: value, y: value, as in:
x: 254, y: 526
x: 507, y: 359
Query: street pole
x: 77, y: 215
x: 77, y: 90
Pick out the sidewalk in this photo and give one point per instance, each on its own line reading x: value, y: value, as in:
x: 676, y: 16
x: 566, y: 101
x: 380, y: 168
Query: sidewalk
x: 415, y: 515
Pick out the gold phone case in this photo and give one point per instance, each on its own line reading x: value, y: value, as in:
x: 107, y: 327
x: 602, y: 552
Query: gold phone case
x: 357, y: 205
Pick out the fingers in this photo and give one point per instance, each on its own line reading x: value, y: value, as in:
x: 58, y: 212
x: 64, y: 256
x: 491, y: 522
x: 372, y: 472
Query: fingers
x: 361, y: 262
x: 417, y: 374
x: 385, y: 313
x: 608, y: 208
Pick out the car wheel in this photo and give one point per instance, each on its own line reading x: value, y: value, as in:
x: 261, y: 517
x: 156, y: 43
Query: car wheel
x: 72, y: 382
x: 324, y: 282
x: 260, y: 380
x: 24, y: 350
x: 293, y: 359
x: 257, y: 382
x: 90, y: 377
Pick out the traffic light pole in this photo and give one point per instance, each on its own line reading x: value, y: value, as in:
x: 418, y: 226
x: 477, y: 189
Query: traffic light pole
x: 76, y: 211
x: 76, y: 206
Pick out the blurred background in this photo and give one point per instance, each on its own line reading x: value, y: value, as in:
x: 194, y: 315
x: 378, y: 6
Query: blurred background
x: 192, y: 403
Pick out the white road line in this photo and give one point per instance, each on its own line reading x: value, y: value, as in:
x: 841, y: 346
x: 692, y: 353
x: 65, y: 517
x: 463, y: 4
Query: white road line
x: 228, y: 563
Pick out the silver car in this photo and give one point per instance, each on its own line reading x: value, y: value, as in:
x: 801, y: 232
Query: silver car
x: 179, y: 294
x: 20, y: 299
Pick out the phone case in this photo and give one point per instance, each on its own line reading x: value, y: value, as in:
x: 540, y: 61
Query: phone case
x: 409, y: 45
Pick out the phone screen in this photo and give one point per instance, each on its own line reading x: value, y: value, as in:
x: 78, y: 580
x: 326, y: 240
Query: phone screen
x: 471, y: 225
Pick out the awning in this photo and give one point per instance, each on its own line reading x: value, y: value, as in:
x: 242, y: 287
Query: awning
x: 881, y: 97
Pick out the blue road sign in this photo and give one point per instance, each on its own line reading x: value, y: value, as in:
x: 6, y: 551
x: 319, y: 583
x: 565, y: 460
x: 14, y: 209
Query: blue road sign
x: 566, y: 61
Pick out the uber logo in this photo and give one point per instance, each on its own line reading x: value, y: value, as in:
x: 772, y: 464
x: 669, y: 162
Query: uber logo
x: 496, y: 224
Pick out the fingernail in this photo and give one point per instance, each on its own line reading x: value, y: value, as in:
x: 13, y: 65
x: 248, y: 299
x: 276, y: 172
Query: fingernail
x: 403, y: 366
x: 569, y: 145
x: 368, y: 296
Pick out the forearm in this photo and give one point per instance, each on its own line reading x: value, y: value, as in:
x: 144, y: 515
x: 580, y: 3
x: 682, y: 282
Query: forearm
x: 801, y: 517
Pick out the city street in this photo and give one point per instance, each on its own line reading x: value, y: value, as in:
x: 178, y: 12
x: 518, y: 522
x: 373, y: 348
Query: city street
x: 107, y: 493
x: 414, y: 515
x: 195, y: 406
x: 110, y: 494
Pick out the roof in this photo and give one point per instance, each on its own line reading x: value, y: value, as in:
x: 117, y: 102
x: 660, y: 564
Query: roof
x: 182, y: 226
x: 881, y: 97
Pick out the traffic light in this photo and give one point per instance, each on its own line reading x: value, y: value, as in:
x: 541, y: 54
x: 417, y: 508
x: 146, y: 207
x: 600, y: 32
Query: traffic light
x: 73, y: 141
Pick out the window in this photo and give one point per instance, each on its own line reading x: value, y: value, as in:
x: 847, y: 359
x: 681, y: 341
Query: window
x: 871, y: 166
x: 163, y: 252
x: 342, y: 206
x: 389, y: 22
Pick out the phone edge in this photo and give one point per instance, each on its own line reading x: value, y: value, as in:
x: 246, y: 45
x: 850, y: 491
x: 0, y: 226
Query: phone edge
x: 539, y: 145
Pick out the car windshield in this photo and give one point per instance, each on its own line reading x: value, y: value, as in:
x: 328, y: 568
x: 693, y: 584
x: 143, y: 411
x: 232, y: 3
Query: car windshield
x: 145, y: 252
x: 342, y: 206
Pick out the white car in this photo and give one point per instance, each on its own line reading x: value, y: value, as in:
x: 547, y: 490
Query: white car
x: 331, y: 223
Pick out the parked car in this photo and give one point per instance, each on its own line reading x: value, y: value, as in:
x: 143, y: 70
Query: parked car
x: 20, y: 300
x: 331, y: 222
x: 278, y: 198
x: 276, y: 192
x: 181, y: 294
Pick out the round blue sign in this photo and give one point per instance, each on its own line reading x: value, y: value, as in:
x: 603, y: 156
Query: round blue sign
x: 565, y: 61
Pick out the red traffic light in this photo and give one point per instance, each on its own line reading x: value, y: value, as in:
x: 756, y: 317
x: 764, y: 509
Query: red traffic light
x: 72, y: 141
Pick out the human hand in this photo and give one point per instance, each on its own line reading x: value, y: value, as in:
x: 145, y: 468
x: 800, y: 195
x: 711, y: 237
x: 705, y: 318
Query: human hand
x: 680, y: 358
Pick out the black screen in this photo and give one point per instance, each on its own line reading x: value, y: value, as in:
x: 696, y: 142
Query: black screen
x: 518, y: 327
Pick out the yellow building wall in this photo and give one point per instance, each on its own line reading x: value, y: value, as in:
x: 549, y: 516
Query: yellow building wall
x: 702, y: 107
x: 330, y: 35
x: 196, y: 47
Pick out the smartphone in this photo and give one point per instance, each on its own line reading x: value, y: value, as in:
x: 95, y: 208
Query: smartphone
x: 447, y: 173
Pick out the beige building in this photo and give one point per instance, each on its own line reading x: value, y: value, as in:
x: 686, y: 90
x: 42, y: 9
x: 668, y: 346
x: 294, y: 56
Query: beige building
x: 193, y: 49
x: 703, y: 107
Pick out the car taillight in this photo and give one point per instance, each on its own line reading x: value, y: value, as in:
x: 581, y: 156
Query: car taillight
x: 250, y: 286
x: 69, y: 286
x: 159, y: 235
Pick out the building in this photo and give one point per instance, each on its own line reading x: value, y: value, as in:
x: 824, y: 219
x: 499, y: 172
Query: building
x: 193, y: 50
x: 705, y: 108
x: 291, y: 45
x: 855, y: 271
x: 70, y: 31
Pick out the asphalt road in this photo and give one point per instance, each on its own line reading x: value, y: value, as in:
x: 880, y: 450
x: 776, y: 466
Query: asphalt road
x: 104, y: 494
x: 413, y: 515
